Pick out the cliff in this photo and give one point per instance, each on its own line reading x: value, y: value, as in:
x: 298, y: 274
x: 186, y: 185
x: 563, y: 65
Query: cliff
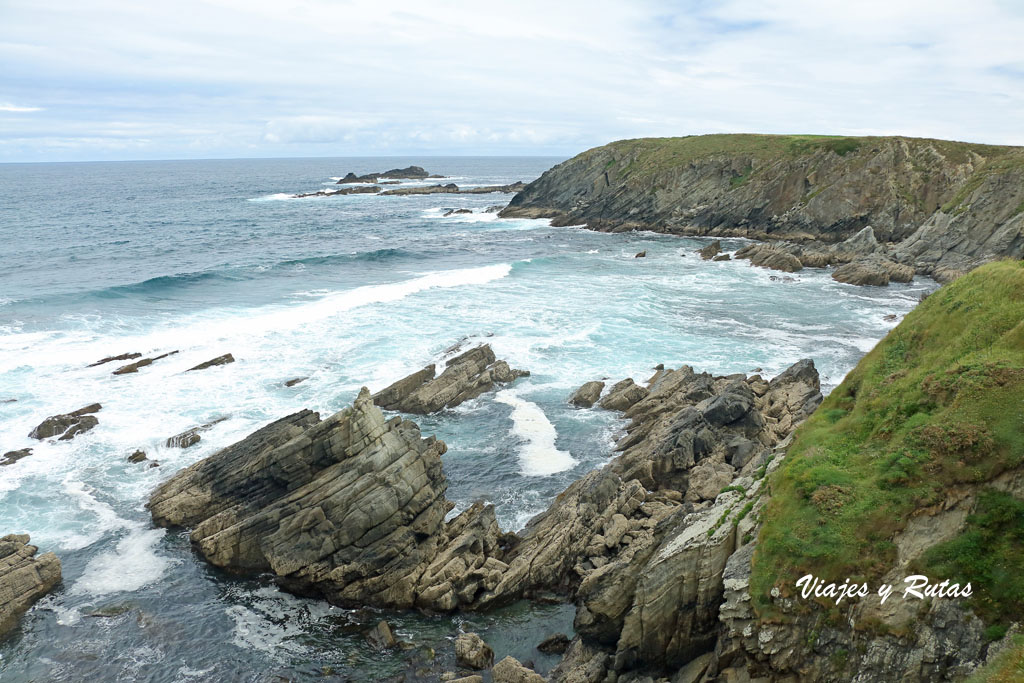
x: 938, y: 205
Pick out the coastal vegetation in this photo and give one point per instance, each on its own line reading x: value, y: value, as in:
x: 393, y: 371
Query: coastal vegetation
x: 937, y: 405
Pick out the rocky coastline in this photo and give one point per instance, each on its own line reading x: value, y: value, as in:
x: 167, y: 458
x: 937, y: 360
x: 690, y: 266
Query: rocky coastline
x: 940, y: 208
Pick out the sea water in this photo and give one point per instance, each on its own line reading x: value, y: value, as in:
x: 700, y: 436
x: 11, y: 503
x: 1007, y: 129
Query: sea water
x: 214, y: 257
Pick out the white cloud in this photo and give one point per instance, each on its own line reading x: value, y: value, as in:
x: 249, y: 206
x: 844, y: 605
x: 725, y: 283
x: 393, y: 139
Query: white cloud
x: 244, y: 77
x: 7, y: 106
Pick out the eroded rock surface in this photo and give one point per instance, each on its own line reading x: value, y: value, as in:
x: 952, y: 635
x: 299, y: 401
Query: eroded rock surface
x: 466, y: 376
x: 69, y: 425
x: 24, y: 578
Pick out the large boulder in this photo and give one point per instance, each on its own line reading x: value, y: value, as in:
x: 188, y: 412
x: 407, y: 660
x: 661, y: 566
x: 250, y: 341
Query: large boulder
x: 24, y: 578
x: 587, y: 395
x: 710, y: 251
x: 465, y: 377
x: 472, y: 652
x: 68, y: 425
x: 509, y: 670
x: 873, y: 270
x: 623, y: 395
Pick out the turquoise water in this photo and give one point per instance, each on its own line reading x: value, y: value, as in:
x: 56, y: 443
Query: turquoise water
x: 212, y: 257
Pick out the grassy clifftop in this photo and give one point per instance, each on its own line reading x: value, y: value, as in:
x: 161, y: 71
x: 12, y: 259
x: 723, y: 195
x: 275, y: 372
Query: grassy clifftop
x: 937, y: 404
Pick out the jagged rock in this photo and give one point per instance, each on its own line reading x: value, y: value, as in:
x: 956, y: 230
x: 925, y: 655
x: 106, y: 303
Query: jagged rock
x: 494, y: 208
x: 219, y: 360
x: 137, y: 457
x: 11, y: 457
x: 587, y: 395
x: 582, y: 663
x: 67, y: 426
x: 24, y: 578
x: 134, y: 367
x: 722, y: 257
x: 293, y: 382
x: 873, y: 270
x: 351, y: 508
x: 711, y: 251
x: 191, y: 437
x: 380, y: 636
x: 641, y: 254
x: 453, y: 212
x: 860, y: 245
x: 623, y: 395
x: 465, y: 377
x: 509, y: 670
x: 555, y: 644
x: 770, y: 256
x: 108, y: 359
x: 472, y: 652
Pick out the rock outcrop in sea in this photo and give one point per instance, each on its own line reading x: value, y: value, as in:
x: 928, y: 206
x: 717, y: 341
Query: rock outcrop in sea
x: 24, y: 578
x: 466, y: 376
x: 68, y: 425
x: 938, y: 207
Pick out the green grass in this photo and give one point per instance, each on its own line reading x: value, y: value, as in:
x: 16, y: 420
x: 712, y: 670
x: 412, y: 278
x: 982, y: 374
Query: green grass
x: 937, y: 403
x: 1008, y: 666
x: 645, y: 157
x: 990, y: 555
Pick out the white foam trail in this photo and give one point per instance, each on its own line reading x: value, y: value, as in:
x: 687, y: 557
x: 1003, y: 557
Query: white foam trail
x: 276, y: 197
x: 538, y: 455
x: 130, y: 566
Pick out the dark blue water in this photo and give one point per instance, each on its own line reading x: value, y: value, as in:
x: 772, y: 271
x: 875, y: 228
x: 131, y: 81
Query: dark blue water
x: 210, y: 257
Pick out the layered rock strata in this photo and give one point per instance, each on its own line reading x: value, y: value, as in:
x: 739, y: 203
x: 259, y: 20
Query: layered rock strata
x: 24, y: 578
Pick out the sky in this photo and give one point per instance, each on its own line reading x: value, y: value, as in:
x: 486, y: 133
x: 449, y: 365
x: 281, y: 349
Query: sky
x: 108, y: 79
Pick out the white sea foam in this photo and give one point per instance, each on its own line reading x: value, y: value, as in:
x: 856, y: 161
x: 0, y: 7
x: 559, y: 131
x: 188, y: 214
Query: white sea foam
x: 276, y: 197
x: 538, y: 455
x: 130, y: 566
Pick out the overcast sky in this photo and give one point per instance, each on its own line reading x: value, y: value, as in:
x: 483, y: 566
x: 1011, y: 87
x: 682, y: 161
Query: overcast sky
x: 108, y: 79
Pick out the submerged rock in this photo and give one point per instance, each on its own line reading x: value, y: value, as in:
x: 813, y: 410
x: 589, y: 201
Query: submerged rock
x: 191, y: 437
x: 642, y: 254
x: 453, y: 212
x: 137, y: 457
x: 219, y: 360
x: 711, y: 251
x: 67, y: 426
x: 293, y: 382
x: 555, y: 644
x: 24, y: 578
x: 472, y: 652
x: 341, y: 192
x: 381, y: 637
x: 11, y: 457
x: 108, y: 359
x: 465, y: 377
x: 134, y: 367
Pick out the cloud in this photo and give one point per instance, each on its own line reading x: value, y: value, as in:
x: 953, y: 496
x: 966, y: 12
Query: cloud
x: 7, y: 106
x: 326, y: 77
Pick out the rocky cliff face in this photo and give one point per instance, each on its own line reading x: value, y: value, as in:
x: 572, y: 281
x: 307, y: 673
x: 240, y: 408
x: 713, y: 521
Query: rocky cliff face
x: 942, y: 205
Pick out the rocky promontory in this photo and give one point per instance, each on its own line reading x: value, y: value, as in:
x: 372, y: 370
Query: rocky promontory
x: 939, y: 207
x: 24, y: 578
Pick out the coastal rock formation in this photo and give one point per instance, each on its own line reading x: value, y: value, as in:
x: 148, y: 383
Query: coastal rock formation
x: 770, y: 256
x: 24, y: 578
x: 454, y: 212
x: 11, y: 457
x: 452, y: 188
x: 472, y: 652
x: 134, y: 367
x: 350, y: 508
x: 941, y: 207
x: 711, y: 251
x: 466, y: 376
x: 69, y: 425
x: 873, y: 270
x: 510, y: 670
x: 339, y: 193
x: 109, y: 359
x: 219, y: 360
x: 587, y: 395
x: 410, y: 172
x: 623, y: 395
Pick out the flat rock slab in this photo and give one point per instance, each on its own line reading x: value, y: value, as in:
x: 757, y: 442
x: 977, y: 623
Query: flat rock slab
x: 109, y: 359
x: 134, y: 367
x: 219, y: 360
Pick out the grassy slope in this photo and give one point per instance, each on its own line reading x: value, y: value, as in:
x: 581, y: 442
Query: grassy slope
x: 938, y: 402
x: 1008, y: 666
x: 657, y: 154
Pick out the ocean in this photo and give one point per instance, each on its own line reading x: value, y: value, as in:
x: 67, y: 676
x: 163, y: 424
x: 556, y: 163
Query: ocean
x: 214, y: 257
